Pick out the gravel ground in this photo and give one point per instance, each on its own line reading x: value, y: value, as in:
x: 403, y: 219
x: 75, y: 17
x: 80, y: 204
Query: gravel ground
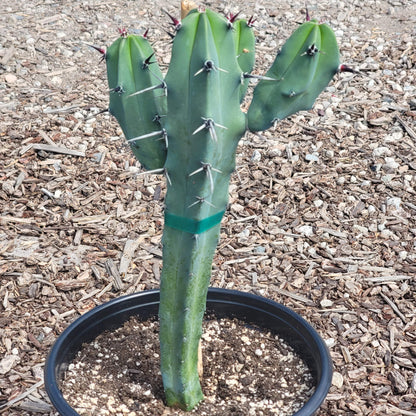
x: 322, y: 214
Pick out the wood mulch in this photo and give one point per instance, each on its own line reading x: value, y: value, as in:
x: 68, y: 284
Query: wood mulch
x: 323, y: 206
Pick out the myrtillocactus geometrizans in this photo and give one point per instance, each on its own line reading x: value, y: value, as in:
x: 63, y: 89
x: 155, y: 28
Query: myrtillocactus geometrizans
x: 187, y: 125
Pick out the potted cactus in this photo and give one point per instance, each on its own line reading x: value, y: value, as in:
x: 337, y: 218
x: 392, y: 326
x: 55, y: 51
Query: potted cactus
x: 187, y: 125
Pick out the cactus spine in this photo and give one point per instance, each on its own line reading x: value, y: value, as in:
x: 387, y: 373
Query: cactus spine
x: 189, y: 125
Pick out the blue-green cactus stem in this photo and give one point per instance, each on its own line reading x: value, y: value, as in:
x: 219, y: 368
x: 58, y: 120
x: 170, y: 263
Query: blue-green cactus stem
x: 303, y: 68
x: 137, y: 98
x: 204, y: 124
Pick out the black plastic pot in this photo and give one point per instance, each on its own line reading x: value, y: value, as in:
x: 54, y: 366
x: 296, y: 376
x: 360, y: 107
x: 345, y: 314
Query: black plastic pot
x: 223, y: 303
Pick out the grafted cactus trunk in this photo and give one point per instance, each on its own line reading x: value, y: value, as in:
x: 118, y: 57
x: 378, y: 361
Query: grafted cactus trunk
x: 188, y: 126
x: 183, y: 292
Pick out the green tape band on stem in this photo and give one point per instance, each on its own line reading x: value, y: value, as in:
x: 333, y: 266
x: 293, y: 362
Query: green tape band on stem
x: 190, y: 225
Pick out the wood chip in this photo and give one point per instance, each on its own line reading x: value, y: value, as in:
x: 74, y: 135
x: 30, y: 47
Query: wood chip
x: 128, y: 253
x: 398, y: 381
x: 57, y: 149
x: 114, y: 274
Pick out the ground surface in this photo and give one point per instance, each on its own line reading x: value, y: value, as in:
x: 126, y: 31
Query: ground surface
x: 323, y: 207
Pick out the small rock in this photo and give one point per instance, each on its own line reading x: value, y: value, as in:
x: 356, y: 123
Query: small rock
x: 337, y: 379
x: 256, y: 156
x: 56, y: 81
x: 150, y: 190
x: 8, y: 187
x: 381, y: 151
x: 312, y: 157
x: 329, y: 154
x: 275, y: 152
x: 231, y: 382
x: 326, y: 303
x: 360, y: 126
x: 394, y: 202
x: 245, y: 339
x: 387, y: 234
x: 394, y: 137
x: 390, y: 164
x: 330, y: 342
x: 244, y: 234
x: 403, y: 254
x: 8, y: 362
x: 88, y: 130
x: 10, y: 78
x: 306, y: 230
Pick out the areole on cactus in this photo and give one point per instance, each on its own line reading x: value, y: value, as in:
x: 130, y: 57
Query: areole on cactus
x: 187, y: 124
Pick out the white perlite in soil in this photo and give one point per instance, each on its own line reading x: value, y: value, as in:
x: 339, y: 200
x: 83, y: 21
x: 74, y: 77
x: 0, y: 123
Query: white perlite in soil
x: 246, y: 372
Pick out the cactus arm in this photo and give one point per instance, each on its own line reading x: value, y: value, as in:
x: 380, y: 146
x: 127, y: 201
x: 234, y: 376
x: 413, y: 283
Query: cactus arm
x: 199, y: 163
x: 128, y: 71
x: 303, y: 68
